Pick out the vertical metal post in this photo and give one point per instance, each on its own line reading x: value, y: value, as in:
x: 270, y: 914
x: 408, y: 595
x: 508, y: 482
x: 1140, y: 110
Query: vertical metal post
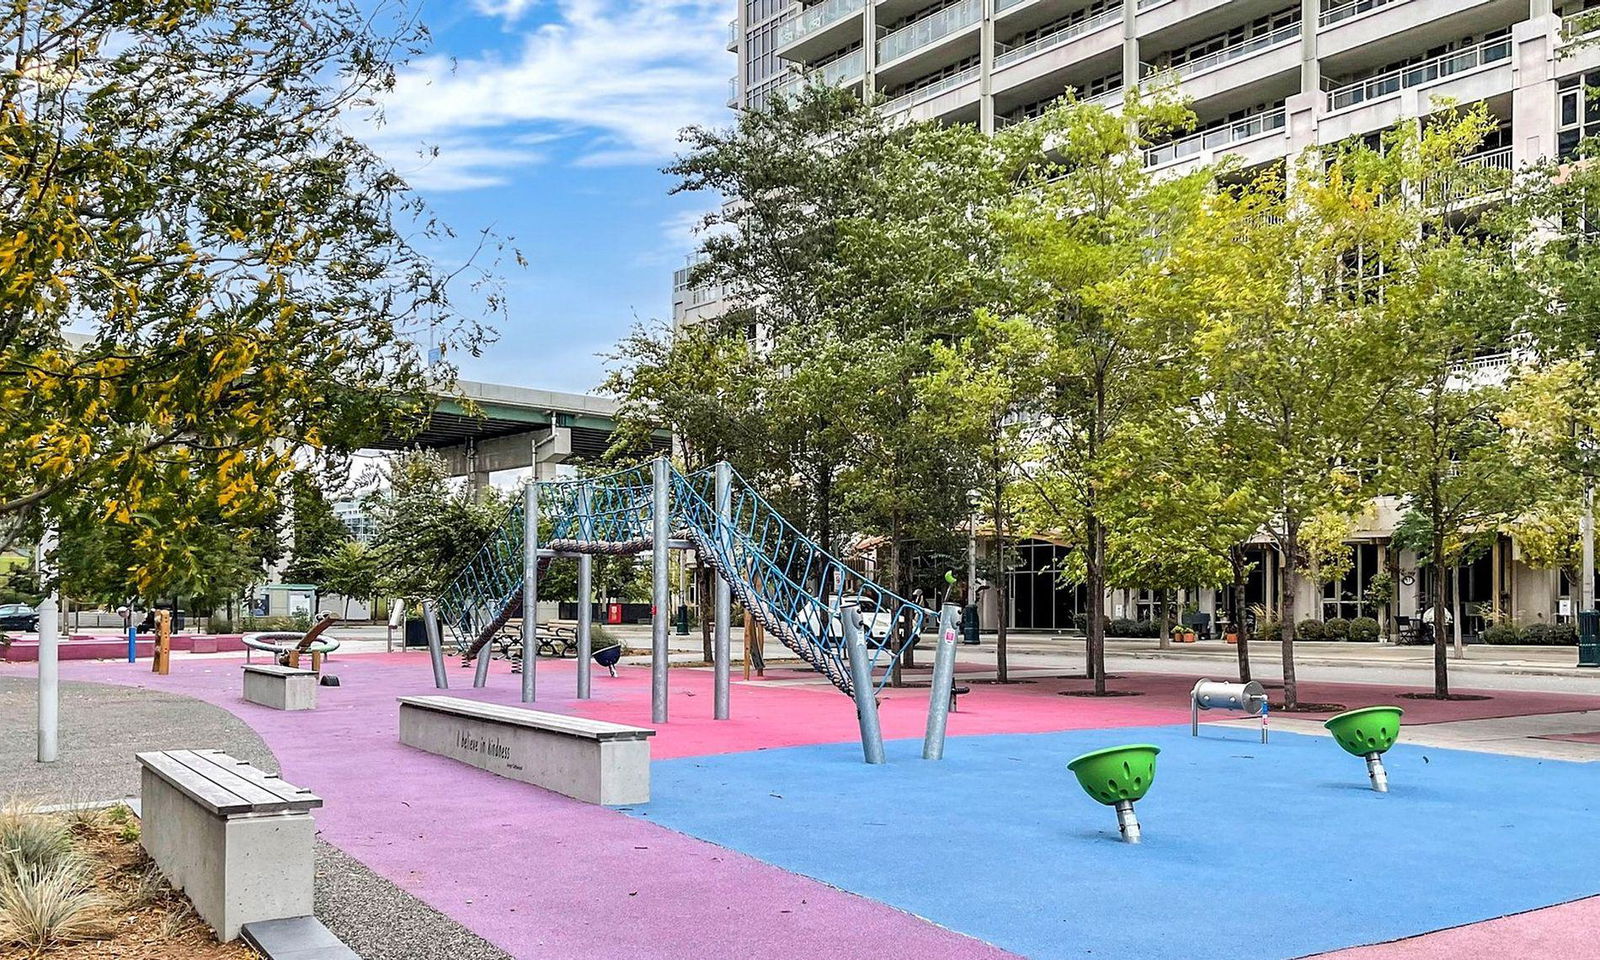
x: 133, y: 636
x: 660, y: 533
x: 49, y: 653
x: 530, y: 587
x: 861, y: 683
x: 430, y: 626
x: 724, y: 598
x: 944, y: 676
x: 1586, y: 589
x: 585, y: 596
x: 480, y: 673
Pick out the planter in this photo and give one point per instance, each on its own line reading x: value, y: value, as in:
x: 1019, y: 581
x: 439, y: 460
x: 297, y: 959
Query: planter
x: 1231, y: 637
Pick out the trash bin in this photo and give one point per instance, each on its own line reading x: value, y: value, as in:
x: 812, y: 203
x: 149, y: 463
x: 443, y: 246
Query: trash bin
x: 683, y: 620
x: 1589, y: 638
x: 416, y: 632
x: 969, y: 623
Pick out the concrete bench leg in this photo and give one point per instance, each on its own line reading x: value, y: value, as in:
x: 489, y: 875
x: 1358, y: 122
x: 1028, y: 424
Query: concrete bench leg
x: 235, y: 870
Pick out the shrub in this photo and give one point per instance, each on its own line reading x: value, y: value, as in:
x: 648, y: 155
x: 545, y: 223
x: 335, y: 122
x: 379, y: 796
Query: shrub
x: 30, y: 839
x: 1500, y: 633
x: 1309, y: 629
x: 1363, y: 630
x: 51, y: 903
x: 600, y: 638
x: 1337, y: 628
x: 1123, y: 627
x: 1269, y: 629
x: 1549, y: 635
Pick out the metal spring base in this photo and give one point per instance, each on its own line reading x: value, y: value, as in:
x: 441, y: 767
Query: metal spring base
x: 1127, y: 822
x: 1375, y: 771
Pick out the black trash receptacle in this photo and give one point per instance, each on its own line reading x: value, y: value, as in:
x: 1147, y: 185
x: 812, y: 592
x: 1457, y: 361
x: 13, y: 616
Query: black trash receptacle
x: 1589, y: 638
x: 416, y: 634
x: 969, y: 624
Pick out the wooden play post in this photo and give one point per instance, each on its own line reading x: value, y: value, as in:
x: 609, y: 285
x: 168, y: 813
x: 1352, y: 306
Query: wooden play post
x: 163, y: 652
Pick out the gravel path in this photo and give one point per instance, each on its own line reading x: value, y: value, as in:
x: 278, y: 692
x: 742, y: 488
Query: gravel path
x: 104, y: 725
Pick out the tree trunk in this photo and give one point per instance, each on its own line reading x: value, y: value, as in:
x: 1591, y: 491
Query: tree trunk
x: 1166, y: 619
x: 1000, y: 595
x: 1441, y: 663
x: 1241, y: 630
x: 1286, y: 576
x: 1095, y: 645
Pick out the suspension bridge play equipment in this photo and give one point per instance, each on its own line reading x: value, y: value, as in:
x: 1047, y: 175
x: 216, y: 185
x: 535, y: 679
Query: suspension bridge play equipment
x: 1249, y: 698
x: 844, y: 625
x: 1118, y: 776
x: 1368, y: 733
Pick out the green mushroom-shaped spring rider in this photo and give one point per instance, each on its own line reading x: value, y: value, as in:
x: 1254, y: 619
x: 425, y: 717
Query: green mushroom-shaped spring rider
x: 1117, y: 776
x: 1367, y: 733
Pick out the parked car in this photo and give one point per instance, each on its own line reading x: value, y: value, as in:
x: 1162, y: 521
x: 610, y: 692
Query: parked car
x: 18, y: 616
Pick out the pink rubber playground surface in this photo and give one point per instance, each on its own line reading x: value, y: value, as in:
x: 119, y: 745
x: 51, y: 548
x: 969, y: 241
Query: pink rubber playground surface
x: 540, y: 875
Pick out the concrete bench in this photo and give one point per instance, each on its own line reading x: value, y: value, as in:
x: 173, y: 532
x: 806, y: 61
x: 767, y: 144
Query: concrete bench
x: 238, y: 841
x: 589, y: 760
x: 281, y: 688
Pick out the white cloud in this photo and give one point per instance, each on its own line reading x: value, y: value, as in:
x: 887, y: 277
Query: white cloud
x: 616, y: 79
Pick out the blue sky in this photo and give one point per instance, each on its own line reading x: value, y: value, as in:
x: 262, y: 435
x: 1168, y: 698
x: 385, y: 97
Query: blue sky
x: 551, y: 120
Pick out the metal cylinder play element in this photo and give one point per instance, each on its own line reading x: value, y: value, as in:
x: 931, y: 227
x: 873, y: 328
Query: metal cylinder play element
x: 723, y: 608
x: 430, y: 625
x: 530, y: 589
x: 944, y: 674
x: 855, y: 647
x: 1248, y: 698
x: 660, y: 514
x: 1368, y: 733
x: 1116, y: 777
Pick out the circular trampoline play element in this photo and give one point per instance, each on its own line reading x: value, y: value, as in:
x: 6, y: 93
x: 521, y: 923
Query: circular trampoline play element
x: 287, y: 646
x: 1368, y: 733
x: 1116, y: 777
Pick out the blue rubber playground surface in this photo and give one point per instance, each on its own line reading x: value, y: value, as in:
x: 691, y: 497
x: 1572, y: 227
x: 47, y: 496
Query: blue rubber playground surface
x: 1250, y: 850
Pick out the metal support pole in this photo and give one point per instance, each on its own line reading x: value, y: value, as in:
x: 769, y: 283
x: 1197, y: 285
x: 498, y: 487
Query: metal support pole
x: 944, y: 675
x: 585, y: 596
x: 530, y: 587
x: 861, y: 682
x: 1127, y: 822
x: 1376, y: 773
x: 430, y: 626
x: 660, y: 533
x: 724, y: 595
x: 1586, y: 586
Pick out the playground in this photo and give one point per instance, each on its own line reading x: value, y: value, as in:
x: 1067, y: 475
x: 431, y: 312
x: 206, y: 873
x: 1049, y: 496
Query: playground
x: 822, y: 811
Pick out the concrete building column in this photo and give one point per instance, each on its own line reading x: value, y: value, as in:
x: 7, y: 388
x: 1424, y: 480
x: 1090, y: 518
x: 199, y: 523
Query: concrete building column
x: 869, y: 50
x: 1535, y: 45
x: 986, y: 70
x: 1130, y: 46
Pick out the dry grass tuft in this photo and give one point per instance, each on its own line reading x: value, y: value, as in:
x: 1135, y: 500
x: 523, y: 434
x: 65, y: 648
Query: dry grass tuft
x: 45, y: 904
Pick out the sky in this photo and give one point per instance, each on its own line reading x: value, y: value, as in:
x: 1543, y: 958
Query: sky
x: 549, y: 121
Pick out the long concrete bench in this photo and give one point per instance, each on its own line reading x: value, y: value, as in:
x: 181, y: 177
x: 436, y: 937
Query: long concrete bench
x: 590, y: 760
x: 281, y: 688
x: 237, y: 840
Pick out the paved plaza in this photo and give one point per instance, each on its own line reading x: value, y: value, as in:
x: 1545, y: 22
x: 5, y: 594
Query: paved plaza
x: 767, y: 837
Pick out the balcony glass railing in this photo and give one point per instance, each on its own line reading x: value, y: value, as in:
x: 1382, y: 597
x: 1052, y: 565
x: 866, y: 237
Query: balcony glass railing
x: 733, y: 91
x: 733, y: 34
x: 1345, y: 11
x: 833, y: 73
x: 814, y: 18
x: 1055, y: 38
x: 935, y: 26
x: 1475, y: 176
x: 1581, y: 24
x: 1384, y: 84
x: 1217, y: 138
x: 1242, y: 49
x: 1110, y: 98
x: 1000, y: 5
x: 931, y: 90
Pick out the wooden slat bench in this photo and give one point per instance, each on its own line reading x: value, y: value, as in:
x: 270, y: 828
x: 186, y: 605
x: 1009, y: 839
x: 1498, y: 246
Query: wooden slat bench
x: 590, y: 760
x: 281, y: 688
x: 237, y: 840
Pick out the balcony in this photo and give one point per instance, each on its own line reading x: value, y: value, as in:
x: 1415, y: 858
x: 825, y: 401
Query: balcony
x: 733, y: 34
x: 733, y: 92
x: 1475, y: 178
x: 819, y: 30
x: 928, y: 30
x: 835, y: 73
x: 1345, y: 11
x: 1421, y: 74
x: 1210, y: 141
x: 1243, y: 49
x: 1010, y: 55
x: 922, y: 94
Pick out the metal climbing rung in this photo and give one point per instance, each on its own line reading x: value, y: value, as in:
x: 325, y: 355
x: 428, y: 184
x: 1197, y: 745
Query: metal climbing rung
x: 788, y: 582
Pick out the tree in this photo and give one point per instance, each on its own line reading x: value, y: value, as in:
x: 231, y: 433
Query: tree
x: 425, y: 528
x: 1083, y: 238
x: 350, y: 570
x: 179, y: 183
x: 316, y: 534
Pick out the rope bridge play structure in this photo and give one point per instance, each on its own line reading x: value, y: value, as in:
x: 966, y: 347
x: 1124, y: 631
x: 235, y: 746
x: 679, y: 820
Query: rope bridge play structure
x: 836, y: 619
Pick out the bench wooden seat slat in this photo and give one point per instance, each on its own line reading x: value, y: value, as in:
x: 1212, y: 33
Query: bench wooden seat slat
x: 274, y: 670
x: 578, y: 727
x: 299, y: 796
x: 220, y: 789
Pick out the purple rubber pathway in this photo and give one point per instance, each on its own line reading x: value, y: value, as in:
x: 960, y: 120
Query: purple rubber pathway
x: 535, y: 873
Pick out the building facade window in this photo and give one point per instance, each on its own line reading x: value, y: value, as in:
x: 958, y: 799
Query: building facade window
x: 1039, y: 600
x: 1347, y: 598
x: 1577, y: 112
